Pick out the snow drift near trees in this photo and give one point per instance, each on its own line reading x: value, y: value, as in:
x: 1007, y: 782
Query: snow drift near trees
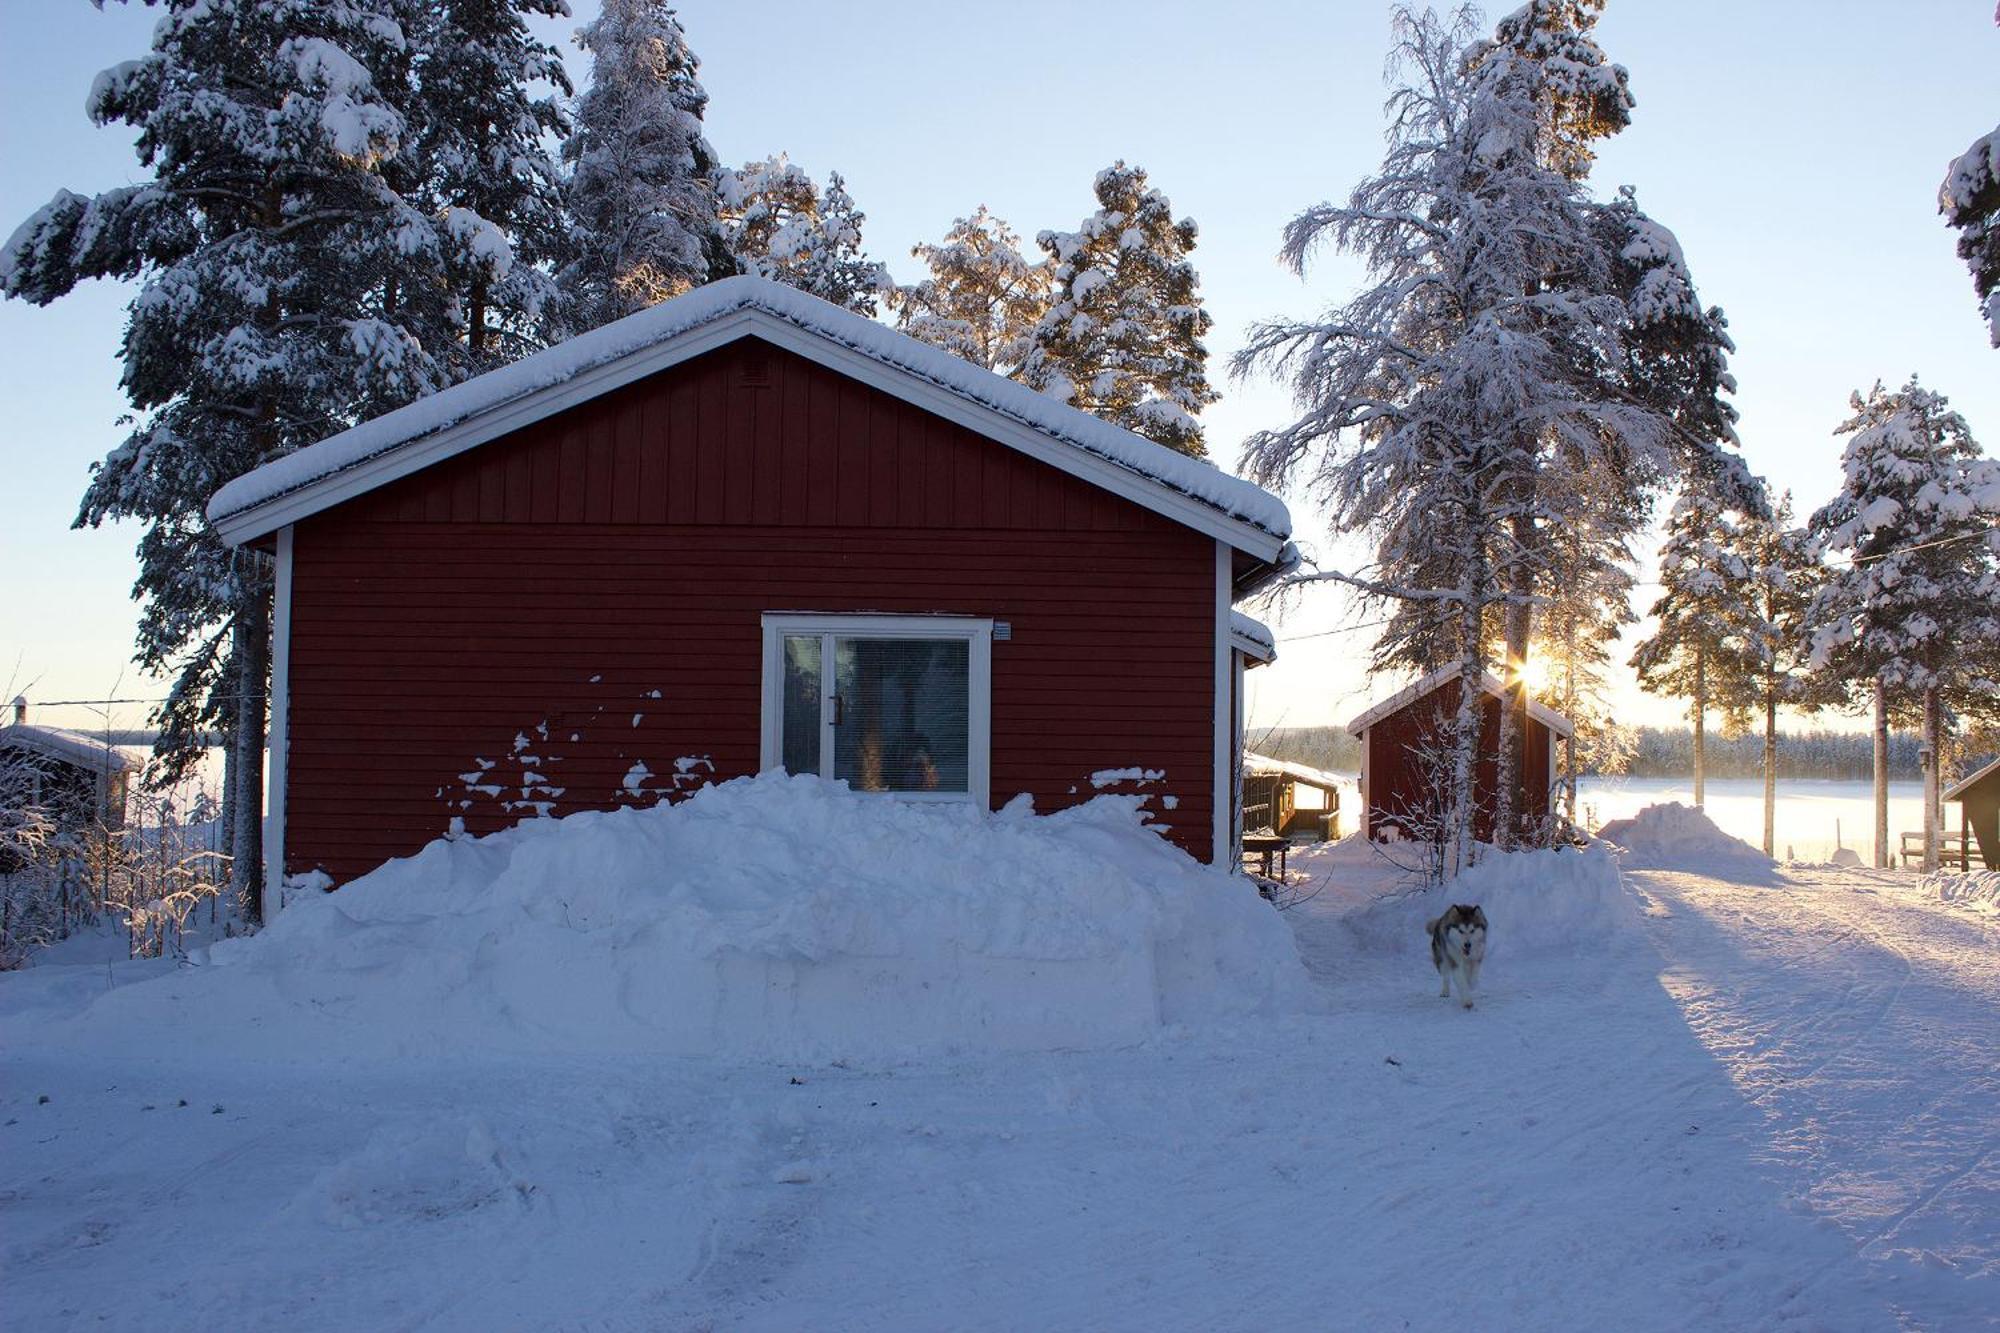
x: 1676, y: 836
x: 779, y: 917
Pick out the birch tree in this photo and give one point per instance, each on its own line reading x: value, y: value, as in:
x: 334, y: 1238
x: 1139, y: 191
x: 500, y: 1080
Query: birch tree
x: 1506, y: 372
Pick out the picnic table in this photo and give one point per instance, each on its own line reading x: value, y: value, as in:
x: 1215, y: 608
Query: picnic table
x: 1267, y: 845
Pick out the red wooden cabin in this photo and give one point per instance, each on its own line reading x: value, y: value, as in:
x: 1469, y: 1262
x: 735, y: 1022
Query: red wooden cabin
x: 1405, y: 754
x: 744, y: 530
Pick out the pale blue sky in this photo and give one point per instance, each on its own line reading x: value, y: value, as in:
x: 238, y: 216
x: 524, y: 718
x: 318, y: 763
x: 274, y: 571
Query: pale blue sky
x: 1794, y: 147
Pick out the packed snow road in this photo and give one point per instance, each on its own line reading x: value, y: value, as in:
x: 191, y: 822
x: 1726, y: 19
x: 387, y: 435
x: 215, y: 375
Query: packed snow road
x: 1763, y: 1104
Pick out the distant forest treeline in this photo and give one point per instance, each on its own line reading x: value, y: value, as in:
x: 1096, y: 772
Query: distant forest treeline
x: 1662, y: 752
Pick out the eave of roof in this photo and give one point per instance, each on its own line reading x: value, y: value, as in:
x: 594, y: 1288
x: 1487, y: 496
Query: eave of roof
x: 466, y: 415
x: 1969, y: 781
x: 1416, y: 690
x: 71, y: 747
x: 1252, y: 637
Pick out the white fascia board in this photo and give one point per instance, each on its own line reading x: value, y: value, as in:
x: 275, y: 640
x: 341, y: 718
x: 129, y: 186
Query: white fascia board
x: 405, y: 459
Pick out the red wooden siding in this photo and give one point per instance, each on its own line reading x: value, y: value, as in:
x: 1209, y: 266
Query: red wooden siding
x: 1397, y: 781
x: 640, y: 538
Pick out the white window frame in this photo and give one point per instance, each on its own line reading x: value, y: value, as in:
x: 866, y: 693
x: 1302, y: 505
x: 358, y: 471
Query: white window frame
x: 978, y: 635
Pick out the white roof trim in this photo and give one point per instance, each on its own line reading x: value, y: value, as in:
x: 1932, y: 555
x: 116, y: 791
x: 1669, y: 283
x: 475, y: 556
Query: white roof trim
x: 1252, y: 638
x: 1960, y: 787
x: 399, y: 443
x: 71, y: 747
x: 1409, y: 694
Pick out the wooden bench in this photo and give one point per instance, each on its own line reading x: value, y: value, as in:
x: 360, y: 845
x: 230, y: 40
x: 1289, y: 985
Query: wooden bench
x: 1952, y: 849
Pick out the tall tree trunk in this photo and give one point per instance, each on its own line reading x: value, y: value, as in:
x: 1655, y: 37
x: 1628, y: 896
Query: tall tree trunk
x: 1465, y: 741
x: 252, y: 651
x: 1700, y: 729
x: 1513, y: 727
x: 1881, y: 775
x: 1927, y: 752
x: 1770, y: 770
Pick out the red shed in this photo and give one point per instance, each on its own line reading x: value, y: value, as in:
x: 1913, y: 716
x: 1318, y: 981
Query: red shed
x: 1400, y: 735
x: 745, y: 530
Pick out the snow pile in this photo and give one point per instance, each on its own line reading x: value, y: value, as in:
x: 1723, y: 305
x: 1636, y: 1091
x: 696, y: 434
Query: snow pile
x: 1975, y: 891
x: 775, y: 917
x: 1673, y: 834
x: 1536, y: 903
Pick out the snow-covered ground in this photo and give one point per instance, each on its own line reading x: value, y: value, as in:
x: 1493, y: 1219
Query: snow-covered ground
x: 1711, y: 1096
x: 1812, y: 817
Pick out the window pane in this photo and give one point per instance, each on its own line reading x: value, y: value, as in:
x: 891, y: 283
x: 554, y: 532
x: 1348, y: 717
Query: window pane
x: 799, y: 724
x: 903, y: 714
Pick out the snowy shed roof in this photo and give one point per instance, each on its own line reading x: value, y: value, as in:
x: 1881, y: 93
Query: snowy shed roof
x: 1958, y: 790
x: 1408, y: 695
x: 71, y: 747
x: 1263, y: 765
x: 398, y: 443
x: 1252, y: 637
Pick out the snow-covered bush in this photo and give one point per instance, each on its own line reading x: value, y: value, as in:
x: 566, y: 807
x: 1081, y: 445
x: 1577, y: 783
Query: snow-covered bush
x: 765, y: 917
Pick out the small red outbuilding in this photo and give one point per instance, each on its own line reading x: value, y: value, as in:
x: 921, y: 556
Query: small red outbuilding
x: 1405, y: 743
x: 740, y: 531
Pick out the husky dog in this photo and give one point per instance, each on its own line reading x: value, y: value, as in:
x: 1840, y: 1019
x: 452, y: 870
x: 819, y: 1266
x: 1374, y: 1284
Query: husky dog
x: 1458, y: 946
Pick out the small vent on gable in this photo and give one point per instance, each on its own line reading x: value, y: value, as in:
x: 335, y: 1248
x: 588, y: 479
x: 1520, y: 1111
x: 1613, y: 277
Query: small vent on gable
x: 756, y: 367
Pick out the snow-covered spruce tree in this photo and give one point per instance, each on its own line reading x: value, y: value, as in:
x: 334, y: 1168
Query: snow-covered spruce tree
x: 1499, y: 381
x: 779, y: 225
x: 1692, y: 654
x: 1970, y: 202
x: 284, y: 283
x: 982, y: 300
x: 1914, y: 608
x: 1586, y: 606
x: 1768, y: 633
x: 481, y: 109
x: 1122, y: 337
x: 641, y: 189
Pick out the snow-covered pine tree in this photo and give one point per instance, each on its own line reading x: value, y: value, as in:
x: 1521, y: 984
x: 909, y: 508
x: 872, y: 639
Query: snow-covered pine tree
x: 641, y: 189
x: 1914, y: 608
x: 779, y: 225
x: 1587, y: 605
x: 1122, y: 337
x: 482, y: 107
x: 1497, y: 383
x: 1768, y: 636
x: 982, y: 300
x: 1693, y: 653
x: 1581, y: 96
x: 1970, y: 202
x: 283, y: 290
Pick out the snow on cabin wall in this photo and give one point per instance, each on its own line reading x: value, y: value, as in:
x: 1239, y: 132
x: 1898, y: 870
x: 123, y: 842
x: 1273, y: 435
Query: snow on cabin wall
x: 1397, y: 781
x: 603, y: 575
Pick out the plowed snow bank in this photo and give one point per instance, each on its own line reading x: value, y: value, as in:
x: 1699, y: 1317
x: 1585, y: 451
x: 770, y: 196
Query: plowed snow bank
x: 766, y: 917
x: 1673, y: 834
x: 1536, y: 903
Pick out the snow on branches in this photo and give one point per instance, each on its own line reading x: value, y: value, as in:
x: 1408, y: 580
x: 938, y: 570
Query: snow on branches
x: 1122, y: 337
x: 779, y: 225
x: 982, y: 300
x: 641, y: 191
x: 1970, y: 202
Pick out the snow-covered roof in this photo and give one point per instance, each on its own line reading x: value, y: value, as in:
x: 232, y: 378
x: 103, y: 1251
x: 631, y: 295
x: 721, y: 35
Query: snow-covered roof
x: 1252, y: 637
x: 72, y: 747
x: 1408, y: 695
x: 480, y: 409
x: 1263, y: 765
x: 1965, y: 784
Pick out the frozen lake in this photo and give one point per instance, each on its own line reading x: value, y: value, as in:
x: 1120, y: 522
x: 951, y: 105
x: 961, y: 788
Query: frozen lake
x: 1811, y: 813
